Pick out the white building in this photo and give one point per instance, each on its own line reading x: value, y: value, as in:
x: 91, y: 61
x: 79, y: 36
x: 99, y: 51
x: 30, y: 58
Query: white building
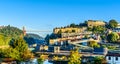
x: 117, y: 29
x: 113, y: 58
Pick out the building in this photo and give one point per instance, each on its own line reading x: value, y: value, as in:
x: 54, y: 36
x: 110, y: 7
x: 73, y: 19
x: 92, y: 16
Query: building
x: 118, y: 26
x: 113, y: 58
x: 55, y: 49
x: 63, y: 35
x: 58, y: 41
x: 68, y: 30
x: 117, y: 29
x: 100, y: 50
x: 45, y: 48
x: 42, y: 47
x: 92, y: 23
x: 87, y: 59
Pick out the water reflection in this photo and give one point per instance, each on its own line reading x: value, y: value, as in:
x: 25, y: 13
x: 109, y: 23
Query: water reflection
x: 34, y: 61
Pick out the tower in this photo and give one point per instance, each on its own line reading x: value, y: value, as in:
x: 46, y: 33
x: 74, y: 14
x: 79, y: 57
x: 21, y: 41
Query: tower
x: 24, y: 31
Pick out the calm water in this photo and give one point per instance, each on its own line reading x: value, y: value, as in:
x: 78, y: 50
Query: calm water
x: 34, y: 61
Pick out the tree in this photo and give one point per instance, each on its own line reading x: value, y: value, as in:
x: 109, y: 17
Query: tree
x: 113, y: 23
x: 100, y: 60
x: 93, y: 44
x: 98, y: 29
x: 41, y: 59
x: 86, y: 36
x: 89, y: 28
x: 4, y: 40
x: 103, y: 37
x: 9, y: 53
x: 74, y: 57
x: 55, y: 58
x: 10, y: 31
x: 18, y: 50
x: 53, y: 36
x: 59, y: 32
x: 72, y: 25
x: 112, y: 37
x: 47, y: 38
x: 22, y: 48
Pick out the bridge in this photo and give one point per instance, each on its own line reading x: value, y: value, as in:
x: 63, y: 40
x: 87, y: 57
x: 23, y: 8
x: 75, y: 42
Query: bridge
x: 37, y: 31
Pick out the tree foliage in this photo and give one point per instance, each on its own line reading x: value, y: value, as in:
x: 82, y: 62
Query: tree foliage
x: 33, y: 38
x: 98, y: 29
x: 93, y: 44
x: 41, y: 59
x: 72, y: 25
x: 13, y: 32
x: 9, y: 53
x: 21, y: 46
x: 18, y: 50
x: 59, y: 32
x: 113, y: 23
x: 100, y: 60
x: 7, y: 33
x: 113, y: 37
x: 4, y: 40
x: 74, y: 57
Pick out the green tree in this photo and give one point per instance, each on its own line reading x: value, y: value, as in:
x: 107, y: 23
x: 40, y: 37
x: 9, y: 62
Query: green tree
x: 89, y: 28
x: 41, y: 59
x: 11, y: 31
x: 72, y: 25
x: 93, y: 44
x: 113, y: 23
x: 74, y: 57
x: 86, y: 36
x: 47, y: 38
x: 67, y: 31
x: 4, y: 40
x: 59, y: 32
x: 9, y: 53
x: 103, y: 37
x: 98, y: 29
x: 99, y: 60
x: 113, y: 37
x: 21, y: 46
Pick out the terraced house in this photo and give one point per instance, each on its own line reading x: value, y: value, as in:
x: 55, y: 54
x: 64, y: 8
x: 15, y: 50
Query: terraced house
x: 68, y: 30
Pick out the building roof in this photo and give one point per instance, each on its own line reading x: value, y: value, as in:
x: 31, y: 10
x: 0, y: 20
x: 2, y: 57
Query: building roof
x: 113, y: 54
x: 8, y: 59
x: 101, y: 49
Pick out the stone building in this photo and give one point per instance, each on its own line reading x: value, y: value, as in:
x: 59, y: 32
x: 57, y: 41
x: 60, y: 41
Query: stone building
x: 91, y: 23
x: 69, y: 30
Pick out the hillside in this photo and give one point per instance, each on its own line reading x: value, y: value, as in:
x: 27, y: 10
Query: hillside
x: 7, y: 33
x: 11, y: 31
x: 33, y: 38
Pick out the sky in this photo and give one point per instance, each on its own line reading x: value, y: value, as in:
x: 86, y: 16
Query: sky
x: 48, y: 14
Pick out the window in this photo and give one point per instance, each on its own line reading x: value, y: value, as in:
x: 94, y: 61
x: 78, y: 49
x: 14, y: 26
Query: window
x: 109, y: 58
x: 116, y: 58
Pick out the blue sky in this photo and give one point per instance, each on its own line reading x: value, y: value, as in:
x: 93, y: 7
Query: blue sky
x: 47, y: 14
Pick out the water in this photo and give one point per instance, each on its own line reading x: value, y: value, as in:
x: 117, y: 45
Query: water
x: 46, y: 62
x: 34, y: 61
